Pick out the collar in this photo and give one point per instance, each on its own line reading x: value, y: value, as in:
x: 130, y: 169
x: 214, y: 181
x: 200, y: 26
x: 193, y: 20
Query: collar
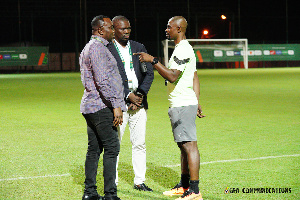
x: 120, y: 46
x: 100, y: 39
x: 181, y: 42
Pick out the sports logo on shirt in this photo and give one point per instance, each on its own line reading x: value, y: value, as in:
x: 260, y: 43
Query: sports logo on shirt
x: 181, y: 62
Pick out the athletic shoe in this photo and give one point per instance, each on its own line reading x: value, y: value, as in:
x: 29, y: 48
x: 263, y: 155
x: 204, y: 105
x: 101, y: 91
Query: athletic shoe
x: 177, y: 190
x: 142, y: 187
x: 190, y: 195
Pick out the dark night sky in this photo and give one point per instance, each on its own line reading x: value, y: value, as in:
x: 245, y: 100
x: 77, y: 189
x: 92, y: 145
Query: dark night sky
x: 61, y: 23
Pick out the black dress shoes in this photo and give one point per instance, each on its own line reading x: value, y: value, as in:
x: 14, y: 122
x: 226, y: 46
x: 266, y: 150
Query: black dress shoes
x: 142, y: 187
x: 111, y: 198
x: 91, y: 197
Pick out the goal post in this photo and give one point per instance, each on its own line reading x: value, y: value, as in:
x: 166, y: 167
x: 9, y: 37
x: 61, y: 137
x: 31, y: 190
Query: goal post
x: 218, y: 50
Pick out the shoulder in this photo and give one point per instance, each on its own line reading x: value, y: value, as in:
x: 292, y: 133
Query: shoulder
x: 184, y: 49
x: 136, y: 44
x: 97, y: 45
x: 111, y: 47
x: 97, y: 49
x: 185, y: 45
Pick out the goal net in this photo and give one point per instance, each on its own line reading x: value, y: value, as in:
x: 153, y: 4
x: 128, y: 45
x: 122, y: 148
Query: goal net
x: 213, y: 50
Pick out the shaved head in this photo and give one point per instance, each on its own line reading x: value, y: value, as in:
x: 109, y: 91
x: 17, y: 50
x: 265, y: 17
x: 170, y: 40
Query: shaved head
x: 119, y: 18
x: 180, y: 21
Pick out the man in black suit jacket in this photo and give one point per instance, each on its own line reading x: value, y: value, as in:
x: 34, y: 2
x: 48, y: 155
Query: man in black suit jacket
x: 137, y: 79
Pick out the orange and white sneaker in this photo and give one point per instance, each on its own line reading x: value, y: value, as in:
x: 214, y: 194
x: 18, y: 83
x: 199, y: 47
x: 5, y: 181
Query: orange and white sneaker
x: 177, y: 190
x: 190, y: 195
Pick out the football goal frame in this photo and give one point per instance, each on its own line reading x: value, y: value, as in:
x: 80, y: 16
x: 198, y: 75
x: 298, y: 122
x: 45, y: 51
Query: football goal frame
x: 244, y: 42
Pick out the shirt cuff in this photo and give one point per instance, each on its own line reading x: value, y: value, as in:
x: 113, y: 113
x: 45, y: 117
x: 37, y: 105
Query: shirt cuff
x: 119, y: 104
x: 128, y: 95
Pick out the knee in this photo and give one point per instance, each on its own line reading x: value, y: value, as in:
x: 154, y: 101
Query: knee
x: 138, y: 142
x: 139, y: 147
x: 93, y: 152
x: 113, y: 148
x: 190, y: 146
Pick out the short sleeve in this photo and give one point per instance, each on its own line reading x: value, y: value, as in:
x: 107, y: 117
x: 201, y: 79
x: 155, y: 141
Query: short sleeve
x: 179, y: 59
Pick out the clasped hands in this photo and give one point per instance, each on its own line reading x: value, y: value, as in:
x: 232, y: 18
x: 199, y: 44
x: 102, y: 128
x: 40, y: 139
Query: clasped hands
x: 136, y: 101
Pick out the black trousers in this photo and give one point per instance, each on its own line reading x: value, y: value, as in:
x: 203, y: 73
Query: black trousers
x: 102, y: 135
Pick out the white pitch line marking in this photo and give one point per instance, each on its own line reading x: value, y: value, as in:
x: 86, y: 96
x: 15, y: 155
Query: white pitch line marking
x: 204, y: 163
x: 237, y: 160
x: 33, y: 177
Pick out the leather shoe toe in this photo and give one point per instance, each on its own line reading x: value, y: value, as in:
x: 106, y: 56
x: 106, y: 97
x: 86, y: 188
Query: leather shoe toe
x: 91, y: 197
x: 111, y: 198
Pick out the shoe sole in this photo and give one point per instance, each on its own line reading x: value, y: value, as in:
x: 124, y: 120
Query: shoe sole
x: 192, y: 198
x: 170, y: 193
x: 140, y: 189
x: 173, y: 194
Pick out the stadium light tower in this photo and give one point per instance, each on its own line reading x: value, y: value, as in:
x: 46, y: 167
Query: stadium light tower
x: 223, y: 17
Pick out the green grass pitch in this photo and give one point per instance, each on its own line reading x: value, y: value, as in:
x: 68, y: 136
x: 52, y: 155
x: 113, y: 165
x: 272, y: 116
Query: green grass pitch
x: 249, y: 139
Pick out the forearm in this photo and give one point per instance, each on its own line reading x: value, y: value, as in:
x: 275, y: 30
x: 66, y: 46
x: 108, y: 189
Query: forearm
x: 166, y: 73
x: 113, y: 95
x: 196, y: 85
x: 170, y: 74
x: 111, y: 88
x: 196, y: 88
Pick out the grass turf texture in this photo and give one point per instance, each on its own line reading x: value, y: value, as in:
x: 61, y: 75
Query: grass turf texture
x: 250, y: 113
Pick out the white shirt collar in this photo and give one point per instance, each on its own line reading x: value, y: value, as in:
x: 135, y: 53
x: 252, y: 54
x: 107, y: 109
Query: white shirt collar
x: 120, y: 46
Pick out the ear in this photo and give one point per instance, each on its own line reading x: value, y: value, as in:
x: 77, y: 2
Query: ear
x: 100, y: 30
x: 179, y: 29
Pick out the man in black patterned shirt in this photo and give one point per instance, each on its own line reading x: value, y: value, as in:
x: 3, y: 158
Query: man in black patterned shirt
x: 101, y: 105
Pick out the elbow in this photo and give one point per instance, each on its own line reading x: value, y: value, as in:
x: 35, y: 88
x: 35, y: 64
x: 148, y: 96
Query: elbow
x: 171, y: 76
x: 172, y: 80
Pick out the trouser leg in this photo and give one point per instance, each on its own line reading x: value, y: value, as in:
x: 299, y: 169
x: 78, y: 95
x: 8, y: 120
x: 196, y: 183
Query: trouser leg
x: 121, y: 130
x: 137, y: 127
x: 102, y: 122
x: 91, y: 162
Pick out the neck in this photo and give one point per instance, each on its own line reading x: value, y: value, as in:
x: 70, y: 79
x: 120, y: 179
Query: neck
x: 122, y: 43
x: 181, y: 37
x: 96, y: 33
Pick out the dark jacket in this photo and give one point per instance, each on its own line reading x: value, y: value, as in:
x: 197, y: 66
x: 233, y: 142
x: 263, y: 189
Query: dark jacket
x: 144, y: 79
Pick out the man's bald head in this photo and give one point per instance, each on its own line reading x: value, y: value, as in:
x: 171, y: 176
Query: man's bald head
x: 180, y: 22
x: 118, y: 18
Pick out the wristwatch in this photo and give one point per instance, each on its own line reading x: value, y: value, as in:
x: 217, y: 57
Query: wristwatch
x: 155, y: 61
